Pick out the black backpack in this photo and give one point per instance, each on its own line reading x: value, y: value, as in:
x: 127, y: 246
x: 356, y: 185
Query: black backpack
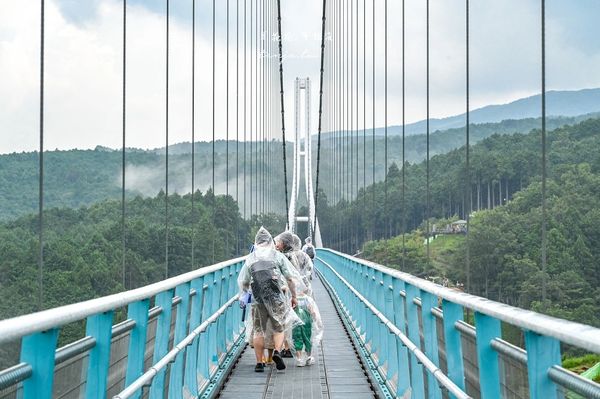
x: 265, y: 285
x: 310, y: 251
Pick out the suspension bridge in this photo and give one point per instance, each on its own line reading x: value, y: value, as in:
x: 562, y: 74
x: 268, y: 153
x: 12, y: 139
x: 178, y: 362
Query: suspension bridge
x: 388, y: 334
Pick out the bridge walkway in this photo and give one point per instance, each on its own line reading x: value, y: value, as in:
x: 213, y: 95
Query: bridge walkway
x: 337, y: 373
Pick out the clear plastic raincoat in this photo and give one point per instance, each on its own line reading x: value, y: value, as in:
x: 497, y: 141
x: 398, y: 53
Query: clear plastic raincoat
x: 265, y: 273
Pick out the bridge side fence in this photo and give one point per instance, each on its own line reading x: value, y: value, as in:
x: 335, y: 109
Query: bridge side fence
x: 418, y: 343
x: 179, y: 339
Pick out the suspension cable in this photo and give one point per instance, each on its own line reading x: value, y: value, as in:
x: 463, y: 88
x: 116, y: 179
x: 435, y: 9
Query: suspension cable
x: 245, y: 110
x: 41, y: 160
x: 285, y: 184
x: 467, y: 145
x: 323, y: 22
x: 385, y: 79
x: 167, y: 144
x: 403, y: 142
x: 237, y: 123
x: 123, y: 121
x: 544, y: 161
x: 427, y: 204
x: 193, y: 126
x: 213, y: 129
x: 227, y: 100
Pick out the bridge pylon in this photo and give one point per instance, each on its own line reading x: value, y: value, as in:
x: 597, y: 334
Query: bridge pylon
x: 303, y: 162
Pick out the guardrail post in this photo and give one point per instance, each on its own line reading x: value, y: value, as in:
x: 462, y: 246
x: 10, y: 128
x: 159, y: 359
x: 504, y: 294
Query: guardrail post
x: 392, y: 354
x: 380, y: 288
x: 229, y: 339
x: 487, y: 329
x: 403, y: 382
x: 181, y: 331
x: 452, y: 339
x: 416, y: 376
x: 430, y: 339
x: 203, y: 355
x: 191, y: 358
x: 37, y: 350
x: 99, y: 327
x: 161, y: 341
x: 542, y: 354
x: 138, y: 312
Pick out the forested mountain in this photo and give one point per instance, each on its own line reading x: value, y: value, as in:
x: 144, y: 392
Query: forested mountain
x: 565, y: 103
x: 504, y: 239
x: 83, y: 177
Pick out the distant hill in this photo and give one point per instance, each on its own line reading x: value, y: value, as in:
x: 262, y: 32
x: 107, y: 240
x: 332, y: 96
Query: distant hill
x: 558, y: 103
x: 78, y: 178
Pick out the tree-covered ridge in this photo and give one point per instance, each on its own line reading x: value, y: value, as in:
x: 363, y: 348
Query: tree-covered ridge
x: 504, y: 239
x: 77, y: 178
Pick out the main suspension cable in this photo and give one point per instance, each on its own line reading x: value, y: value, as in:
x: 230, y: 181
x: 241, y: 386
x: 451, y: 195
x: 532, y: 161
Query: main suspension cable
x: 285, y: 184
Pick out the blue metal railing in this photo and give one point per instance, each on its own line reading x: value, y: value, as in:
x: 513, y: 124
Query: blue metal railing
x: 197, y: 333
x: 396, y: 317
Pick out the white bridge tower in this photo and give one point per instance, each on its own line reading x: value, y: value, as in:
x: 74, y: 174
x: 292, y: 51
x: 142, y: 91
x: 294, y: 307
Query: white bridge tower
x: 302, y: 161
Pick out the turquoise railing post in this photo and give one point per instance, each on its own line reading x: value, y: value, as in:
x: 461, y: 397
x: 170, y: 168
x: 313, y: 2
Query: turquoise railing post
x: 430, y: 340
x: 412, y: 315
x: 392, y: 357
x: 379, y: 287
x: 452, y: 339
x: 37, y: 350
x: 213, y: 350
x: 403, y: 381
x: 230, y: 312
x: 138, y: 312
x: 191, y: 354
x: 99, y: 327
x: 488, y: 328
x: 161, y: 341
x: 542, y: 354
x: 203, y: 346
x: 221, y: 338
x: 181, y: 331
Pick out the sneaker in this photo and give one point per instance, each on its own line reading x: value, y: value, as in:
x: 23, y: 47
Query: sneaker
x: 259, y: 368
x: 301, y: 362
x: 279, y: 364
x: 286, y: 353
x: 310, y: 361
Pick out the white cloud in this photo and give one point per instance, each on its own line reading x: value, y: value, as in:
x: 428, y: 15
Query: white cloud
x: 83, y: 65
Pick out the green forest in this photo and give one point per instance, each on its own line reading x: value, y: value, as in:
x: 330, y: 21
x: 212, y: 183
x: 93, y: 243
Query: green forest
x: 76, y: 178
x: 504, y: 240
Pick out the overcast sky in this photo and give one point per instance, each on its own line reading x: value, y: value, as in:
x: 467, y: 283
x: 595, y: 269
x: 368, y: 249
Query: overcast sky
x: 83, y: 63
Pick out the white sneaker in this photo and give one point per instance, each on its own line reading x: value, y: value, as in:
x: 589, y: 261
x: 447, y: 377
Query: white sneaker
x: 310, y: 361
x: 301, y: 361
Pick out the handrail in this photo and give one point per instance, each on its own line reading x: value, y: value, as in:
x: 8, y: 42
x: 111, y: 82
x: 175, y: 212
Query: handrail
x: 17, y: 327
x: 569, y: 332
x: 425, y: 361
x: 147, y: 377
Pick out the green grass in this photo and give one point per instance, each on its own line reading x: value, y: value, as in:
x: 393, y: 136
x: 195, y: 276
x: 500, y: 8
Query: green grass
x: 443, y: 248
x: 580, y: 364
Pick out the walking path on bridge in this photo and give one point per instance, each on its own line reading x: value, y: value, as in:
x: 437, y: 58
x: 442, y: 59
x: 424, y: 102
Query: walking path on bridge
x: 336, y: 374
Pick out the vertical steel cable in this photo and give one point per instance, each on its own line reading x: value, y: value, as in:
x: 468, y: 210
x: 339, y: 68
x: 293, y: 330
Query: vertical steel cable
x: 351, y: 132
x: 385, y: 96
x: 365, y: 106
x: 373, y: 143
x: 237, y: 123
x: 193, y: 125
x: 258, y: 28
x: 167, y: 146
x: 544, y: 172
x: 245, y: 113
x: 281, y: 93
x: 323, y: 22
x: 123, y: 116
x: 213, y: 200
x: 403, y: 142
x: 427, y: 205
x: 467, y: 154
x: 251, y: 104
x: 227, y: 100
x: 41, y: 164
x: 357, y: 110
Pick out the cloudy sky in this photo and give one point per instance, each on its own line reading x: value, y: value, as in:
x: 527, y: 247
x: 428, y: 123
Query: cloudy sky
x: 83, y: 63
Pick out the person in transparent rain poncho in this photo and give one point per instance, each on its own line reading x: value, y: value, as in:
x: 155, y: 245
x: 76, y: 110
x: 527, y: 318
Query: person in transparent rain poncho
x: 269, y: 277
x: 308, y: 335
x: 289, y: 244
